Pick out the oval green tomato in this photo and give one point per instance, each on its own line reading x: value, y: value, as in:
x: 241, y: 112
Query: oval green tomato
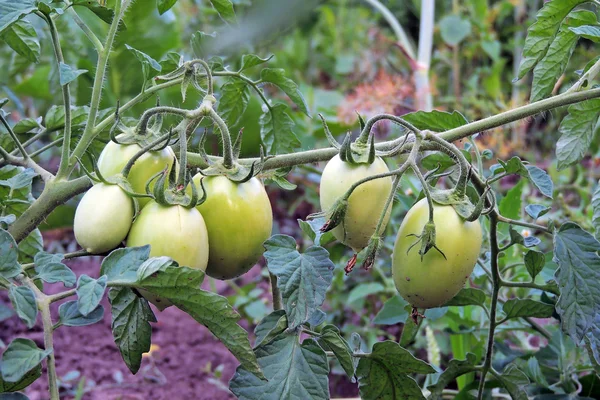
x: 239, y: 219
x: 435, y: 280
x: 115, y: 156
x: 103, y: 218
x: 172, y: 231
x: 365, y: 204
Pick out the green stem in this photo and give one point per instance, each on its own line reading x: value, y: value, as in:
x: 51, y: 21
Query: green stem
x: 14, y: 137
x: 88, y: 32
x: 89, y: 131
x: 530, y: 285
x: 586, y: 78
x: 209, y: 77
x: 277, y: 301
x: 477, y: 156
x: 225, y: 137
x: 145, y: 119
x: 46, y: 147
x: 453, y: 151
x: 66, y: 95
x: 524, y: 224
x: 396, y: 27
x: 62, y: 295
x: 364, y: 134
x: 127, y: 168
x: 496, y: 281
x: 66, y: 256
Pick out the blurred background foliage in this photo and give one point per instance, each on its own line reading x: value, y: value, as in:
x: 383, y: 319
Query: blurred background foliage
x: 345, y: 58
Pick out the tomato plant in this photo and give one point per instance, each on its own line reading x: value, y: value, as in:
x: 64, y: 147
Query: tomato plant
x: 491, y: 287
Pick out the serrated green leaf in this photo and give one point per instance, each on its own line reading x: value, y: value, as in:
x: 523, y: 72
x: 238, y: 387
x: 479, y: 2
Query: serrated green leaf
x: 312, y: 228
x: 70, y: 316
x: 252, y: 60
x: 277, y: 77
x: 55, y: 117
x: 270, y: 327
x: 468, y: 297
x: 202, y: 43
x: 20, y: 357
x: 150, y: 67
x: 383, y: 375
x: 24, y: 303
x: 510, y: 205
x: 517, y: 308
x: 104, y: 13
x: 26, y: 380
x: 89, y: 293
x: 455, y: 369
x: 590, y: 32
x: 122, y: 265
x: 542, y: 32
x: 392, y: 312
x: 541, y: 180
x: 225, y: 9
x: 549, y: 69
x: 577, y: 132
x: 27, y: 125
x: 22, y: 38
x: 333, y: 339
x: 12, y: 11
x: 515, y: 380
x: 164, y: 5
x: 454, y: 29
x: 302, y: 278
x: 578, y: 276
x: 131, y: 317
x: 536, y: 210
x: 181, y: 286
x: 518, y: 238
x: 235, y: 95
x: 68, y: 74
x: 292, y: 369
x: 534, y: 262
x: 30, y: 246
x: 276, y: 130
x: 437, y: 121
x: 53, y: 272
x: 9, y: 266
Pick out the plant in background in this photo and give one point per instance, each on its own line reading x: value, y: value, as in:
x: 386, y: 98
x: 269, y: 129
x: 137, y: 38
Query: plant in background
x: 141, y: 193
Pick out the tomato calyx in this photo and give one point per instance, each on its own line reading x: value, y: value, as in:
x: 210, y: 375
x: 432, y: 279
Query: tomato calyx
x: 350, y: 264
x: 415, y: 315
x: 373, y: 248
x: 335, y: 215
x: 169, y: 191
x: 427, y: 240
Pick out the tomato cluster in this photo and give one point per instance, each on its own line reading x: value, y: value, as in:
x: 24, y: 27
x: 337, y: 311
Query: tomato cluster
x: 222, y: 236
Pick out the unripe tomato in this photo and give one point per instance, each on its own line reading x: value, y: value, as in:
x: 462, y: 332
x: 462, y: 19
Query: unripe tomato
x: 435, y: 280
x: 115, y: 156
x: 103, y: 218
x: 239, y: 219
x: 172, y: 231
x: 365, y: 204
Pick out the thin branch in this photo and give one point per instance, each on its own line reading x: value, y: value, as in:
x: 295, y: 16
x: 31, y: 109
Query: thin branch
x: 13, y: 136
x: 88, y: 32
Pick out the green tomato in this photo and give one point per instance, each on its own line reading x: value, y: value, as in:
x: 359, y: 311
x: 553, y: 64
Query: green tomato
x: 115, y: 156
x: 239, y: 219
x: 103, y: 218
x: 366, y: 203
x: 433, y: 281
x: 172, y: 231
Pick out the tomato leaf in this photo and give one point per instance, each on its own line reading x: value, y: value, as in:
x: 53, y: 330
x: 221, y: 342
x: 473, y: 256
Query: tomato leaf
x: 534, y: 262
x: 517, y: 238
x: 235, y: 95
x: 89, y: 293
x: 225, y: 9
x: 20, y: 357
x: 70, y: 316
x: 104, y: 13
x: 11, y: 11
x: 536, y: 210
x: 164, y: 5
x: 9, y: 266
x: 24, y: 303
x: 590, y: 32
x: 577, y: 132
x: 290, y: 367
x: 455, y: 369
x: 383, y: 374
x: 312, y: 229
x: 578, y: 276
x: 437, y: 121
x: 181, y: 285
x: 22, y: 38
x: 392, y: 312
x: 122, y: 265
x: 277, y: 77
x: 515, y: 380
x: 270, y: 327
x: 51, y: 271
x: 549, y: 69
x: 302, y: 278
x: 131, y: 317
x: 510, y: 205
x: 332, y: 338
x: 150, y: 67
x: 276, y: 130
x: 517, y: 308
x: 540, y: 179
x: 468, y: 297
x: 252, y: 60
x: 22, y: 383
x: 68, y: 74
x: 30, y: 246
x: 543, y: 31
